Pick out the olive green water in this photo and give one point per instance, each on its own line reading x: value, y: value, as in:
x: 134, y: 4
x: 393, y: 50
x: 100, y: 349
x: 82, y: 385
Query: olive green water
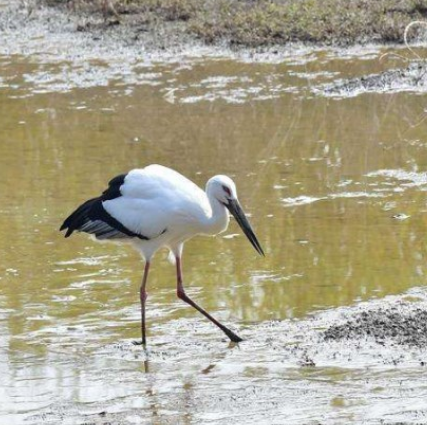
x: 328, y: 184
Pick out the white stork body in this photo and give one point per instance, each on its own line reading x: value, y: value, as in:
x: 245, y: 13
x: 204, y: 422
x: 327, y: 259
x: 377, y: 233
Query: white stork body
x: 165, y: 206
x: 157, y: 207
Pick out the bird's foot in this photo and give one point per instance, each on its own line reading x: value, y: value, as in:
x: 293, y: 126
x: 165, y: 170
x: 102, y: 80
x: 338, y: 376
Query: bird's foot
x: 233, y: 337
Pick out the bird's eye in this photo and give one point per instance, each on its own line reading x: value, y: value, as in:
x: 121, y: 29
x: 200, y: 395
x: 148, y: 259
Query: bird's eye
x: 227, y: 190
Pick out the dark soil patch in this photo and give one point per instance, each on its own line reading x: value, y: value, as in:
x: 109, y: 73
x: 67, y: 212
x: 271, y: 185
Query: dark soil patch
x: 384, y: 325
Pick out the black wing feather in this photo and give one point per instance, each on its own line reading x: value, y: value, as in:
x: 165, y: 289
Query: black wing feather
x: 113, y: 190
x: 91, y: 217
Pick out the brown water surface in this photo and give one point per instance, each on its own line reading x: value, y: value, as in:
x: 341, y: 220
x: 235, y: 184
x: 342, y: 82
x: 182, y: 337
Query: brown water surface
x: 336, y: 192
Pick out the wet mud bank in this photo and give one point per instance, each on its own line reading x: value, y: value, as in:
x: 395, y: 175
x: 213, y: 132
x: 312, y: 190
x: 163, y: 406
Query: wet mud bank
x: 253, y: 23
x: 349, y: 362
x: 404, y: 324
x: 388, y: 331
x: 57, y: 33
x: 411, y: 78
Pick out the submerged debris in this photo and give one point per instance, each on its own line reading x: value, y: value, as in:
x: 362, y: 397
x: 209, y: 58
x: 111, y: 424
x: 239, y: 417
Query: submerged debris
x: 383, y: 325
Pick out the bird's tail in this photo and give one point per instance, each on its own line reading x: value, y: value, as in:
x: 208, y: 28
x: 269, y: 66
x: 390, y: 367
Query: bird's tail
x: 78, y: 218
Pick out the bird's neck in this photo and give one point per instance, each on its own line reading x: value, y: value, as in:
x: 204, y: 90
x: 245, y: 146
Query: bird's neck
x: 217, y: 222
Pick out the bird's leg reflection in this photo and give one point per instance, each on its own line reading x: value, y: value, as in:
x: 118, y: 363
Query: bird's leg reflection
x: 183, y: 296
x: 223, y: 354
x: 146, y: 366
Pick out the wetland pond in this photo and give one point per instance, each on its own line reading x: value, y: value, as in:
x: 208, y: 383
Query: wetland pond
x: 336, y: 190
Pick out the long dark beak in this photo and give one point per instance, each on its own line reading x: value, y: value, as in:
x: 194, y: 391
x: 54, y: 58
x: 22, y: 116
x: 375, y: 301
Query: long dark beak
x: 234, y: 207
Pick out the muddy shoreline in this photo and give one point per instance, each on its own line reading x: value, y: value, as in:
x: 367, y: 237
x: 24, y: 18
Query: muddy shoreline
x: 93, y: 31
x: 375, y: 339
x: 249, y: 23
x: 55, y: 34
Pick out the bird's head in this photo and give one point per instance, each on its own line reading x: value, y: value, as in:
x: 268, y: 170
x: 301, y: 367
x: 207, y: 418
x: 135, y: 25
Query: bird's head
x: 224, y: 190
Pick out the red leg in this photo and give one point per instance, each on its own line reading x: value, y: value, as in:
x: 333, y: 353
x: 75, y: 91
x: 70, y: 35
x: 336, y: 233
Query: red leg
x: 183, y: 296
x: 143, y: 297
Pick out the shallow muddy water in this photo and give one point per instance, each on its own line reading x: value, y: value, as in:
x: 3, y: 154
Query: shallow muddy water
x: 336, y: 192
